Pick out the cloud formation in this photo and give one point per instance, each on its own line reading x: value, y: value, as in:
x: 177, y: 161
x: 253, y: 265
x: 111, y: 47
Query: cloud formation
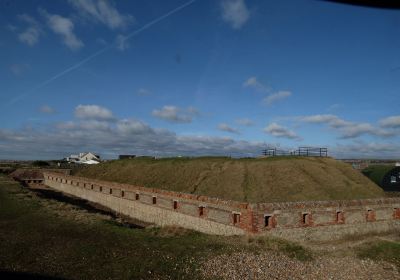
x: 93, y: 112
x: 345, y: 128
x: 65, y: 28
x: 96, y: 129
x: 31, y: 34
x: 92, y: 131
x: 143, y: 92
x: 280, y: 95
x: 175, y: 114
x: 271, y: 98
x: 225, y: 127
x: 254, y: 83
x: 362, y: 149
x: 103, y: 12
x: 245, y: 122
x: 235, y: 13
x: 121, y: 42
x: 390, y: 122
x: 280, y: 131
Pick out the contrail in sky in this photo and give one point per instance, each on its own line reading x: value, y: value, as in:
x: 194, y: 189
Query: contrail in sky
x: 94, y: 55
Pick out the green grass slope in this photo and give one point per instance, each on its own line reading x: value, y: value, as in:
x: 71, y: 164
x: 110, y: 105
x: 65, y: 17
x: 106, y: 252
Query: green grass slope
x: 251, y: 180
x: 377, y: 172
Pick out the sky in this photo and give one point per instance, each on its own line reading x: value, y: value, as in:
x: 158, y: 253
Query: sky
x: 199, y: 77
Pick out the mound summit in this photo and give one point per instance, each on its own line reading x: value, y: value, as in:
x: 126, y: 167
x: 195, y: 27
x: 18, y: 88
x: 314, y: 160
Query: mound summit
x: 250, y: 180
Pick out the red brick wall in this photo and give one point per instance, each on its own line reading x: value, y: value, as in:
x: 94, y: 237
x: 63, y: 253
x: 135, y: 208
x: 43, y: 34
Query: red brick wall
x: 252, y: 216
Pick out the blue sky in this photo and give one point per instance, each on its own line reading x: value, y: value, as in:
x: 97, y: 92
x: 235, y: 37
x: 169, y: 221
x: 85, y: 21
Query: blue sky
x: 205, y: 77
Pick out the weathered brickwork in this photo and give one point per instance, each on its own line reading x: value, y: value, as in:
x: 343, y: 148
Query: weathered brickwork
x: 298, y: 220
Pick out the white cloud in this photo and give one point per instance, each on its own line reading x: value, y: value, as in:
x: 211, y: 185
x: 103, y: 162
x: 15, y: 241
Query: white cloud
x: 121, y: 42
x: 46, y: 109
x: 132, y: 126
x: 361, y: 149
x: 244, y: 122
x: 225, y: 127
x: 175, y: 114
x: 332, y: 120
x: 320, y: 118
x: 235, y: 13
x: 134, y: 136
x: 345, y: 128
x: 93, y: 112
x: 276, y: 97
x: 19, y: 68
x: 113, y: 138
x: 143, y: 92
x: 102, y: 11
x: 253, y: 82
x: 64, y: 27
x: 31, y: 34
x: 391, y: 122
x: 280, y: 131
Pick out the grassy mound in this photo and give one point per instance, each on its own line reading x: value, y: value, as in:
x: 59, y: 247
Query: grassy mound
x: 252, y: 180
x: 377, y: 173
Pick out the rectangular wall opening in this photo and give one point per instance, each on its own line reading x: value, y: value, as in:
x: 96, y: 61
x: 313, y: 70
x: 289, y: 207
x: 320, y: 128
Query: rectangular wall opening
x: 339, y: 217
x: 370, y: 215
x: 201, y: 211
x: 175, y: 204
x: 122, y: 193
x: 154, y: 200
x: 236, y: 218
x: 268, y: 221
x: 110, y: 191
x: 137, y: 196
x: 101, y: 189
x: 396, y: 213
x: 305, y: 218
x: 91, y: 186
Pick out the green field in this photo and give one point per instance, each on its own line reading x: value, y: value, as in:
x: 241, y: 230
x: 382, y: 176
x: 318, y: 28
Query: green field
x: 52, y: 238
x: 250, y: 180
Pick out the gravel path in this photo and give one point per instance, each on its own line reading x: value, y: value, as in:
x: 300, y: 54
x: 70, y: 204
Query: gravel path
x: 273, y: 265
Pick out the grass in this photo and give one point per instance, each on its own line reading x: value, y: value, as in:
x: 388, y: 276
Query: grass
x: 381, y: 251
x: 251, y: 180
x: 377, y: 172
x: 44, y: 238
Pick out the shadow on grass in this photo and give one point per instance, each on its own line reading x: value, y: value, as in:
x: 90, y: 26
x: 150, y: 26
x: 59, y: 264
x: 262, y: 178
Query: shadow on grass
x: 90, y: 207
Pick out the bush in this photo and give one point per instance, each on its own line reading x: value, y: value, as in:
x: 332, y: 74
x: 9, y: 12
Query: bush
x: 40, y: 163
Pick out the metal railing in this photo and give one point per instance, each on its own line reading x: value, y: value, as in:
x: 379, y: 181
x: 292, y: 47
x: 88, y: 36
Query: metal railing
x: 301, y: 151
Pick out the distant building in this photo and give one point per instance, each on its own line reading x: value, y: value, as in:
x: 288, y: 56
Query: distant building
x: 84, y: 158
x: 126, y: 156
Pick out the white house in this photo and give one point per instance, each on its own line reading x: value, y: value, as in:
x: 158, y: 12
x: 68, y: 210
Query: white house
x: 84, y: 158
